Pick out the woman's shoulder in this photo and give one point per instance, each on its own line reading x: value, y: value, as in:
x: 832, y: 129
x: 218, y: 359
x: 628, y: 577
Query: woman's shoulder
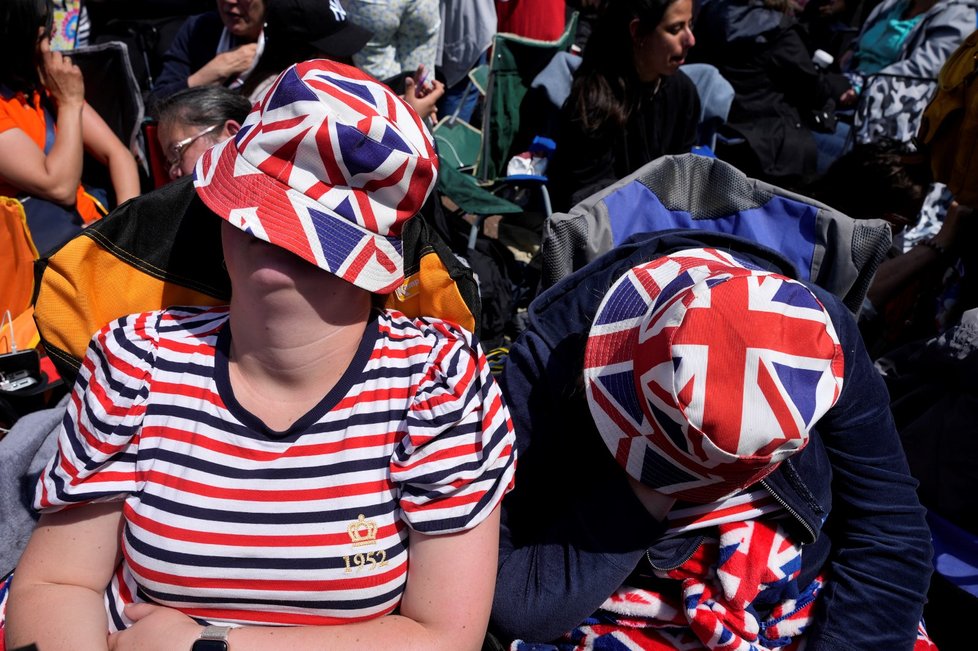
x: 427, y: 340
x: 19, y: 110
x: 424, y: 327
x: 172, y: 323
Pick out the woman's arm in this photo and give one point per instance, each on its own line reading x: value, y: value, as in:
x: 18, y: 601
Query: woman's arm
x: 223, y: 66
x: 896, y: 273
x: 445, y: 606
x: 56, y: 598
x: 102, y: 143
x: 23, y: 164
x: 191, y: 60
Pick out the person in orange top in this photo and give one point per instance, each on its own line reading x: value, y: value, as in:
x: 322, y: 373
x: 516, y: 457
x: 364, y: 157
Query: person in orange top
x: 46, y: 126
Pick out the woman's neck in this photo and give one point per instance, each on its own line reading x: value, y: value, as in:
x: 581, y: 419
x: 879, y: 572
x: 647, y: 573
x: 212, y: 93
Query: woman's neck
x: 288, y: 352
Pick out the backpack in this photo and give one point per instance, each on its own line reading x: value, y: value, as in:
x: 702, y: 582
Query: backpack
x: 949, y: 127
x: 164, y: 248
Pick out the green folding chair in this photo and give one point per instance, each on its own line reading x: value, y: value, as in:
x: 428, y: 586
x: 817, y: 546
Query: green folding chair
x: 485, y: 152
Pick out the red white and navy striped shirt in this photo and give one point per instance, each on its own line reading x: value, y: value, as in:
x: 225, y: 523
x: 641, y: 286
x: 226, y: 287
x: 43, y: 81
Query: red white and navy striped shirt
x: 231, y: 522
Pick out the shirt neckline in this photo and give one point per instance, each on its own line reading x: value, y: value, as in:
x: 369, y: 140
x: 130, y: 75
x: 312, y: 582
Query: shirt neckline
x: 255, y: 427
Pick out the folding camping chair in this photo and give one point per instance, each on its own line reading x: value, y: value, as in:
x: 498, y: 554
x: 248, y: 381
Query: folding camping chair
x: 17, y: 330
x: 24, y: 382
x: 505, y: 82
x: 112, y: 90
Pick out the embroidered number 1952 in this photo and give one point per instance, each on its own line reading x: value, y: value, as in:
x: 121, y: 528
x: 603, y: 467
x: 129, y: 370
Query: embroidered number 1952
x: 368, y: 560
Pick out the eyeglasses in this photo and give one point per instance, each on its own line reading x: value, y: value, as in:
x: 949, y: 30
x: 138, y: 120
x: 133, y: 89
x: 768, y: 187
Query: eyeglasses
x: 178, y: 148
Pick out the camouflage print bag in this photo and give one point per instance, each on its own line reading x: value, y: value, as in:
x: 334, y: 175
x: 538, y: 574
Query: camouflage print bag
x: 891, y: 108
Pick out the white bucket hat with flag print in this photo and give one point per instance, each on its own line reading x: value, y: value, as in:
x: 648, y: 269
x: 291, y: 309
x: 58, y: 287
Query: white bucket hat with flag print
x: 703, y: 373
x: 328, y: 165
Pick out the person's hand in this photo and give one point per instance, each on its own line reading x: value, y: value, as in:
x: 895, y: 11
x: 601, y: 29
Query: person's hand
x: 949, y: 235
x: 832, y: 7
x: 656, y: 503
x: 848, y: 98
x: 236, y: 61
x: 62, y: 78
x: 423, y: 104
x: 227, y: 64
x: 423, y: 81
x: 155, y: 628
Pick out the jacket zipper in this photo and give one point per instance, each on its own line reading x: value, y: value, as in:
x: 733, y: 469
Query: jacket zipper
x: 699, y: 543
x: 791, y: 511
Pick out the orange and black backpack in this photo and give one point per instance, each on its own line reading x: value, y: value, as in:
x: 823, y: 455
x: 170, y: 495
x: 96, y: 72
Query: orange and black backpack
x: 164, y: 249
x: 948, y: 132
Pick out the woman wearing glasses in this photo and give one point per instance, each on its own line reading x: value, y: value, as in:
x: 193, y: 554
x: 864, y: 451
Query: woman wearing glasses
x: 193, y: 120
x: 45, y: 128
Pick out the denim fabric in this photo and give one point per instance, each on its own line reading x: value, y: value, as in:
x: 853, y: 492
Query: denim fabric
x: 831, y: 146
x: 463, y: 91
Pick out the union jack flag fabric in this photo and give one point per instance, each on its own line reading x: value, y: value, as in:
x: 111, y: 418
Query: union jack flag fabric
x: 708, y: 602
x: 4, y: 593
x: 328, y: 165
x: 703, y: 373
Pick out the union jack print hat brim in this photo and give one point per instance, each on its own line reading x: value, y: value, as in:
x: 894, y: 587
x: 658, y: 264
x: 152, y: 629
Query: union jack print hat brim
x: 703, y: 373
x: 329, y: 165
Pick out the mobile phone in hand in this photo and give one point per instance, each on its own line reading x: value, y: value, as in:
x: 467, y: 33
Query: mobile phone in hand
x: 425, y: 79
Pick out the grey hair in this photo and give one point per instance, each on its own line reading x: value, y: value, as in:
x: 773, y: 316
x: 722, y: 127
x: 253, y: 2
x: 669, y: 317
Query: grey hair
x: 203, y: 106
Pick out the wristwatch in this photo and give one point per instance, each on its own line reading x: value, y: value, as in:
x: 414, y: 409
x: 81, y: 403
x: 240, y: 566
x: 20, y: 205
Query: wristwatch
x: 212, y: 638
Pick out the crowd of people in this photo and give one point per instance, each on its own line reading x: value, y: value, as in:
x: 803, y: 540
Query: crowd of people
x: 689, y: 445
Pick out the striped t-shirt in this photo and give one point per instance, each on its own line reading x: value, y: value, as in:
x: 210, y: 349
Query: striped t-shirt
x: 231, y: 522
x: 745, y: 505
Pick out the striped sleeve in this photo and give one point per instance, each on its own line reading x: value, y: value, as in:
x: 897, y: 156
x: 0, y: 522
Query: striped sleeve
x: 457, y: 458
x: 96, y: 456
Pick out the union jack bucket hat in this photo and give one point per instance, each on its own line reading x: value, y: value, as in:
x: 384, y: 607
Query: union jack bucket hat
x: 329, y: 165
x: 703, y: 373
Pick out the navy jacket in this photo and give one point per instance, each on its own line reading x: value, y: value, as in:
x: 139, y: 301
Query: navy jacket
x: 573, y: 531
x: 192, y: 48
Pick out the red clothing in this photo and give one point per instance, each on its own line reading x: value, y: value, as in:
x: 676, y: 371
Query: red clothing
x: 18, y: 113
x: 540, y: 19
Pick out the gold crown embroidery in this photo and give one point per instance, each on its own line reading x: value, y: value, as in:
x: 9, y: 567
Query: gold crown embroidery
x: 362, y: 532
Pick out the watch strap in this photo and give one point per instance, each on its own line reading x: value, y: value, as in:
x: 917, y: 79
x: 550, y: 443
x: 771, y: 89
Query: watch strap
x: 215, y: 633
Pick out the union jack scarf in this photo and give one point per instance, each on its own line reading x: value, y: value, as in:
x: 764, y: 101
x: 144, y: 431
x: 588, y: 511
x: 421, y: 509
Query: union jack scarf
x: 711, y: 605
